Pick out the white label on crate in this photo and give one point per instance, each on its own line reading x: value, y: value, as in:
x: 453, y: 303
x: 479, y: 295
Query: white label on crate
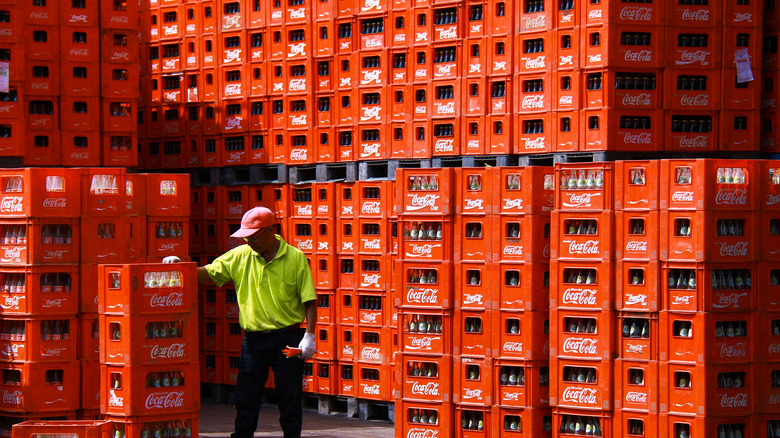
x: 472, y: 299
x: 513, y: 250
x: 370, y: 150
x: 636, y: 246
x: 444, y: 145
x: 594, y: 58
x: 578, y: 345
x: 173, y: 351
x: 370, y: 280
x: 636, y: 397
x: 346, y: 210
x: 738, y: 249
x: 580, y: 200
x: 473, y: 394
x: 744, y: 70
x: 171, y: 30
x: 429, y: 389
x: 635, y: 348
x: 347, y: 350
x: 734, y: 401
x: 514, y: 347
x: 475, y: 68
x: 371, y: 4
x: 772, y: 199
x: 162, y: 400
x: 594, y: 14
x: 697, y: 100
x: 322, y: 246
x: 421, y: 343
x: 579, y: 395
x: 472, y: 204
x: 12, y: 204
x: 533, y: 143
x: 533, y: 102
x: 114, y: 400
x: 298, y: 120
x: 448, y: 33
x: 696, y: 15
x: 747, y: 16
x: 509, y: 396
x: 14, y: 398
x: 731, y: 197
x: 79, y: 52
x: 11, y: 254
x: 534, y: 63
x: 421, y: 36
x: 443, y: 69
x: 173, y: 299
x: 299, y: 155
x: 581, y: 297
x: 370, y: 113
x: 691, y: 56
x: 418, y: 202
x: 590, y: 247
x: 297, y: 14
x: 52, y: 352
x: 371, y: 353
x: 422, y: 250
x: 297, y: 49
x: 306, y: 245
x: 636, y: 14
x: 499, y: 65
x: 372, y: 243
x: 738, y: 350
x: 78, y: 18
x: 11, y: 301
x: 513, y: 203
x: 52, y: 303
x: 347, y: 246
x: 566, y: 60
x: 682, y: 197
x: 371, y: 389
x: 371, y: 207
x: 445, y: 108
x: 370, y: 318
x: 642, y: 99
x: 304, y: 210
x: 422, y: 296
x: 373, y: 42
x: 632, y: 299
x: 297, y: 85
x: 640, y: 56
x: 370, y: 76
x: 728, y: 300
x: 422, y: 433
x: 233, y: 55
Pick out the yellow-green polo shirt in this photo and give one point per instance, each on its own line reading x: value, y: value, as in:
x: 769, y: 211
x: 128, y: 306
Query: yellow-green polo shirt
x: 270, y: 295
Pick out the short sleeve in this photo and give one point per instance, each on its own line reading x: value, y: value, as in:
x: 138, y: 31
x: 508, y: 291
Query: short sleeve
x: 219, y: 269
x: 306, y: 288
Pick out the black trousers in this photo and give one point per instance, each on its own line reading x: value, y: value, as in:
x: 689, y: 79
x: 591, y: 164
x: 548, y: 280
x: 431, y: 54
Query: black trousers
x: 259, y: 352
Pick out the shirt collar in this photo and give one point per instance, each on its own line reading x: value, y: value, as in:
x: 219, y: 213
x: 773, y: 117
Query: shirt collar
x: 279, y: 253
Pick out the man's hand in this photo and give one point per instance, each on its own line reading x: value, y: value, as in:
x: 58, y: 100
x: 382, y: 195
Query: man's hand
x: 171, y: 259
x: 308, y: 346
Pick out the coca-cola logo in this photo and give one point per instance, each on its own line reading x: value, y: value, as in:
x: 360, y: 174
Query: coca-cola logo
x: 533, y: 102
x: 304, y: 210
x: 697, y: 100
x: 642, y: 99
x: 373, y: 42
x: 370, y: 150
x: 635, y: 348
x: 422, y: 433
x: 581, y: 297
x: 513, y: 250
x: 162, y: 400
x: 322, y: 246
x: 12, y: 349
x: 474, y: 204
x: 299, y: 155
x: 372, y: 243
x: 513, y: 347
x: 421, y: 343
x: 734, y: 401
x: 731, y: 197
x: 297, y: 85
x: 640, y: 56
x: 738, y: 249
x: 636, y: 246
x: 115, y: 401
x: 371, y: 207
x: 682, y: 197
x: 472, y: 299
x: 774, y: 399
x: 473, y: 394
x: 370, y: 113
x: 12, y: 204
x: 535, y: 63
x: 53, y: 352
x: 371, y: 389
x: 11, y: 301
x: 370, y: 280
x: 370, y: 76
x: 594, y: 14
x: 566, y: 100
x: 445, y: 108
x: 772, y: 199
x: 429, y: 389
x: 690, y: 57
x: 700, y: 141
x: 79, y: 155
x: 307, y: 244
x: 347, y: 246
x: 580, y: 200
x: 419, y: 202
x: 499, y: 65
x: 636, y: 14
x: 347, y: 350
x: 232, y: 55
x: 297, y: 49
x: 642, y: 138
x: 696, y: 15
x: 12, y: 397
x: 421, y: 250
x: 421, y: 36
x: 119, y: 19
x: 298, y: 120
x: 11, y: 254
x: 636, y: 397
x: 590, y: 247
x: 682, y: 299
x: 735, y: 351
x: 447, y: 33
x: 346, y: 210
x: 475, y: 68
x: 747, y: 16
x: 443, y: 69
x: 774, y: 348
x: 579, y: 395
x: 583, y: 346
x: 297, y: 14
x: 173, y: 351
x: 422, y: 296
x: 728, y: 300
x: 51, y: 303
x: 420, y: 73
x: 369, y: 317
x: 632, y: 299
x: 78, y: 18
x: 444, y: 145
x: 516, y: 203
x: 79, y: 52
x: 511, y: 396
x: 371, y: 353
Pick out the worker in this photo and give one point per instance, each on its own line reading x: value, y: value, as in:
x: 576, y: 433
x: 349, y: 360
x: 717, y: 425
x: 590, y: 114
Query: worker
x: 275, y: 291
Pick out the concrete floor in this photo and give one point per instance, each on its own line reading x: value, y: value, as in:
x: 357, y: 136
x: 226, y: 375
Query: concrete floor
x: 216, y: 421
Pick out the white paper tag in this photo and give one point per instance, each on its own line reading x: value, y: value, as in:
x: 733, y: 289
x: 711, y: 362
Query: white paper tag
x: 744, y: 70
x: 4, y: 69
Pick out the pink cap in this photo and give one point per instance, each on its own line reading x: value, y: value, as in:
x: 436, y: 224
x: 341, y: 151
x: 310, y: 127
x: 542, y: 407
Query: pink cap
x: 255, y: 220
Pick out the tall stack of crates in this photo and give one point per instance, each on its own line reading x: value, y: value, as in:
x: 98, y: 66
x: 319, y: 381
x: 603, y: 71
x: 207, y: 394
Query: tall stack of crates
x: 708, y: 250
x: 581, y: 301
x: 73, y: 85
x: 39, y: 258
x: 770, y: 104
x: 637, y: 297
x: 149, y: 377
x: 426, y: 325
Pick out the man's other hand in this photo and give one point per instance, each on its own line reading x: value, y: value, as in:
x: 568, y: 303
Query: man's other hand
x: 308, y: 346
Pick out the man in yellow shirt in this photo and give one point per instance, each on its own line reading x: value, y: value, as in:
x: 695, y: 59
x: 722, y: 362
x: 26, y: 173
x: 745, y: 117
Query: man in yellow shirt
x: 275, y: 292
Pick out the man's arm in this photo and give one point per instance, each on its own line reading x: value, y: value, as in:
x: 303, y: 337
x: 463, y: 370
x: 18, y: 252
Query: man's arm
x: 204, y: 277
x: 311, y: 315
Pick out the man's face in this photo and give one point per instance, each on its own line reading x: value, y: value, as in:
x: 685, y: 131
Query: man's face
x: 261, y: 239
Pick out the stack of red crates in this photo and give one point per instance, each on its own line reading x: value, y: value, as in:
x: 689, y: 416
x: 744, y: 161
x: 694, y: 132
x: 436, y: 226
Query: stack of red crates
x: 40, y: 288
x: 770, y: 104
x: 149, y: 377
x: 637, y: 298
x: 710, y: 223
x: 73, y: 83
x: 426, y: 325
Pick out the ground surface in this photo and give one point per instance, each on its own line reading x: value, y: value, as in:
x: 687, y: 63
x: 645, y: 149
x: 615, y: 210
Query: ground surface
x: 216, y: 421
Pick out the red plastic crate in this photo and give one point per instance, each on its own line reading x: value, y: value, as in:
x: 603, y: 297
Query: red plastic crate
x: 40, y: 387
x: 44, y: 241
x: 632, y: 134
x: 519, y: 335
x: 583, y: 236
x: 410, y: 424
x: 520, y: 384
x: 629, y: 423
x: 637, y: 285
x: 581, y: 385
x: 345, y: 380
x: 347, y: 200
x: 131, y: 339
x: 767, y: 392
x: 768, y: 282
x: 718, y: 295
x: 412, y: 340
x: 373, y: 344
x: 138, y: 426
x: 39, y: 339
x: 212, y: 335
x: 427, y: 238
x: 582, y: 285
x: 90, y: 387
x: 374, y: 381
x: 419, y: 198
x: 565, y: 420
x: 428, y: 295
x: 474, y: 191
x: 588, y: 186
x: 103, y: 239
x: 634, y: 239
x: 374, y: 199
x: 347, y: 342
x: 517, y: 190
x: 582, y: 335
x: 123, y: 388
x: 474, y: 334
x: 373, y: 309
x: 612, y: 87
x: 476, y: 235
x: 703, y: 184
x: 672, y: 425
x: 523, y: 286
x: 698, y: 389
x: 167, y: 235
x: 75, y: 428
x: 695, y: 338
x: 101, y: 191
x: 326, y: 342
x: 707, y: 54
x: 522, y: 422
x: 167, y: 195
x: 473, y: 286
x: 769, y: 199
x: 767, y: 332
x: 424, y: 378
x: 45, y: 290
x: 373, y: 272
x: 636, y: 386
x: 473, y: 381
x: 638, y: 339
x: 88, y: 338
x: 705, y: 236
x: 165, y: 289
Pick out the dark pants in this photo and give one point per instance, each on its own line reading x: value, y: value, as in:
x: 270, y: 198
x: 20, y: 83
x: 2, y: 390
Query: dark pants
x: 259, y: 352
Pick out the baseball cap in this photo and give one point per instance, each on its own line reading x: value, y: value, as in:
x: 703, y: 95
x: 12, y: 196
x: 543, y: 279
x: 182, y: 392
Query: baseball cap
x: 255, y: 220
